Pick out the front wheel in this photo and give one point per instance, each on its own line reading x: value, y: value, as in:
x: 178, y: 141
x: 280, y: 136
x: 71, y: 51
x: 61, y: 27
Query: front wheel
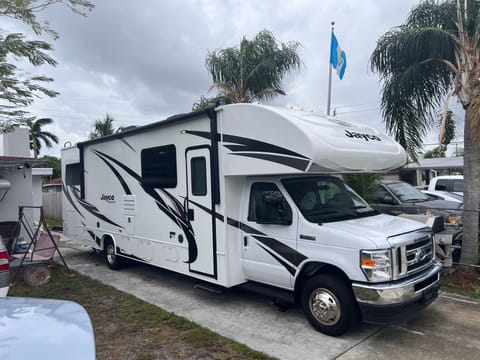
x: 113, y: 261
x: 329, y: 304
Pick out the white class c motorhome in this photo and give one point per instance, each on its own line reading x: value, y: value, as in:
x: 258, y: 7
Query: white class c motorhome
x: 246, y: 194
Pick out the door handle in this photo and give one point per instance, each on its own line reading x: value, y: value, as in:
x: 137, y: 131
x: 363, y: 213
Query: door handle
x: 245, y: 241
x: 190, y: 214
x: 307, y: 237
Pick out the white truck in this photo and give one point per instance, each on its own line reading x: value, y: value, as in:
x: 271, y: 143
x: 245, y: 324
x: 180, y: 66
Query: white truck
x: 245, y: 194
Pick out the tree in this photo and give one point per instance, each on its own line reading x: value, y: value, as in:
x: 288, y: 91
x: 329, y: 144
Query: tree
x: 363, y: 184
x: 54, y: 163
x: 19, y: 89
x: 422, y: 63
x: 37, y: 134
x: 103, y: 127
x: 252, y: 71
x: 447, y: 127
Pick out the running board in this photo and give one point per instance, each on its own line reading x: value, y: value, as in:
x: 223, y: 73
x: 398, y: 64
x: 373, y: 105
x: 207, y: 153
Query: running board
x: 280, y: 296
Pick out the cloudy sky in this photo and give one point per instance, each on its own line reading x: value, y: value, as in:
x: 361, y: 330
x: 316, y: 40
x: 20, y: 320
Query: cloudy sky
x: 143, y: 61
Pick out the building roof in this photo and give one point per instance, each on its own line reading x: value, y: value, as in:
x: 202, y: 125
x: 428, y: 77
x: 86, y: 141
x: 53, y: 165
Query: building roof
x: 56, y: 181
x: 42, y: 171
x: 15, y: 160
x: 437, y: 163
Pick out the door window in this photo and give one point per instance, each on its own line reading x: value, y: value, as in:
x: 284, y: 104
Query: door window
x: 268, y: 205
x: 199, y: 176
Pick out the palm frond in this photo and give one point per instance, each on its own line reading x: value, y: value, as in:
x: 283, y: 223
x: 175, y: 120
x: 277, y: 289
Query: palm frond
x: 254, y: 67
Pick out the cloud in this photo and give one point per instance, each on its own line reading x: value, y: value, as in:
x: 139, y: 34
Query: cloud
x: 141, y: 62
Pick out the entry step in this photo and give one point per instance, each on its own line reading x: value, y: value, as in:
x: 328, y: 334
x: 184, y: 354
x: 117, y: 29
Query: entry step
x: 209, y: 287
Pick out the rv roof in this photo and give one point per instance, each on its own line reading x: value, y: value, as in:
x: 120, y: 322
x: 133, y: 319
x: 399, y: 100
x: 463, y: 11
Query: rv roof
x: 272, y: 140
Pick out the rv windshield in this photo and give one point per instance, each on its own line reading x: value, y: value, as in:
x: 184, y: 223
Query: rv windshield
x: 326, y: 198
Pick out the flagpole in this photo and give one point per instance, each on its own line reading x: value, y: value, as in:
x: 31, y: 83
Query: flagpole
x: 329, y: 98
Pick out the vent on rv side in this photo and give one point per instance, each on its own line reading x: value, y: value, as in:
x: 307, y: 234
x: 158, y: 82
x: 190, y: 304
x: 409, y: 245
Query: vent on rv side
x: 129, y: 204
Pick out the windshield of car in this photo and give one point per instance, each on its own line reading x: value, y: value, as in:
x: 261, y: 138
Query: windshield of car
x: 406, y: 192
x: 326, y: 199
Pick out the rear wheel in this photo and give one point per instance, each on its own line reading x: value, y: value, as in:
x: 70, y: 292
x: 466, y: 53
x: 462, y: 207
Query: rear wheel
x: 329, y: 304
x: 113, y: 261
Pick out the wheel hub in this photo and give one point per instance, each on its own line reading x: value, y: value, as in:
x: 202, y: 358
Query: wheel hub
x: 325, y: 306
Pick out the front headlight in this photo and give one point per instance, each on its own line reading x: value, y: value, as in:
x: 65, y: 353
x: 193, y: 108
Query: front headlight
x: 454, y: 219
x: 376, y: 264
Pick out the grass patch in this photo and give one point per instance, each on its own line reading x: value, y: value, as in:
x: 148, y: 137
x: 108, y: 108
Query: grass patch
x: 53, y: 222
x: 463, y: 281
x: 129, y: 328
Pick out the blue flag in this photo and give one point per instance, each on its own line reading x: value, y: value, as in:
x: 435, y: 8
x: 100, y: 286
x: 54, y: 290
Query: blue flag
x: 338, y: 59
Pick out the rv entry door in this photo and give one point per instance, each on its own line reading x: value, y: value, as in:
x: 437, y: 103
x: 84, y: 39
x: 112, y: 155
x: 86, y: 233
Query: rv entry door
x: 199, y: 209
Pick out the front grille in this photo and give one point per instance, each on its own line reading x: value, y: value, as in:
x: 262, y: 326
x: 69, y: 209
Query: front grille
x: 412, y: 257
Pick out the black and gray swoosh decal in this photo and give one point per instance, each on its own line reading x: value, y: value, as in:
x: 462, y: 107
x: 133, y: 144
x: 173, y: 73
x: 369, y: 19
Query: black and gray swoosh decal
x: 70, y: 200
x: 122, y: 181
x: 93, y: 236
x: 286, y: 252
x: 289, y: 268
x: 92, y: 209
x: 242, y: 146
x: 275, y: 248
x: 176, y: 214
x: 300, y: 164
x: 126, y: 143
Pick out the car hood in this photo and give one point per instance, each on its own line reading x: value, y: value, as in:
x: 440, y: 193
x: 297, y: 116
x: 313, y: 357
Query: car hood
x: 378, y: 229
x: 440, y: 204
x: 36, y: 328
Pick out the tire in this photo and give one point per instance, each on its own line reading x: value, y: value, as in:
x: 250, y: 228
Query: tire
x: 329, y: 304
x: 457, y: 252
x: 113, y: 261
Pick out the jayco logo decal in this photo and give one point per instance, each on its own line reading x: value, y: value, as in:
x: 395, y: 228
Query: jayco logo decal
x: 356, y: 135
x: 108, y: 198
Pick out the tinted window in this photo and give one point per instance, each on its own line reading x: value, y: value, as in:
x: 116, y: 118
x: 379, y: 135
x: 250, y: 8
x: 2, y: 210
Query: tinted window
x: 441, y: 185
x: 380, y: 196
x: 159, y: 166
x: 198, y: 167
x: 268, y: 205
x: 325, y: 199
x: 457, y: 186
x: 72, y: 174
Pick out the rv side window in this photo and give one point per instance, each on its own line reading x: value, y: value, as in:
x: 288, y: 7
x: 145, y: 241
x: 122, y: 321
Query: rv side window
x: 268, y: 205
x: 198, y: 166
x: 72, y: 174
x: 159, y: 167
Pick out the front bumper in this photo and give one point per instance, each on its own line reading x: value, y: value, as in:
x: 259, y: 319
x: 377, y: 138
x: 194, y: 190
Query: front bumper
x: 384, y: 303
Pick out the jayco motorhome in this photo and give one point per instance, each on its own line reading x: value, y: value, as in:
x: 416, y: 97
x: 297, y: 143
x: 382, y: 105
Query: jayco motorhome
x: 246, y: 194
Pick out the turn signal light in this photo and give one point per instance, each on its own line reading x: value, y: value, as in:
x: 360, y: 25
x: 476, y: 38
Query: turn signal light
x: 367, y: 263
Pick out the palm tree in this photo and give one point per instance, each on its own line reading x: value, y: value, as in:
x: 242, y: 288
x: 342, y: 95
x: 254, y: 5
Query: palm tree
x: 252, y: 71
x: 37, y: 135
x: 422, y: 63
x: 102, y: 127
x: 447, y: 127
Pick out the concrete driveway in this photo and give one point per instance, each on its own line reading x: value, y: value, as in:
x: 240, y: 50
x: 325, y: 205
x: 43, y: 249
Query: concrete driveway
x: 448, y: 329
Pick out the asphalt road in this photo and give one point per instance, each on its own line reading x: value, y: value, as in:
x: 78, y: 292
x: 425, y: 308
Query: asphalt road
x: 447, y: 329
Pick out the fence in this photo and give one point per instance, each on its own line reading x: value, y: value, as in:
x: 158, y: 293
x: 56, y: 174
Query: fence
x: 52, y: 204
